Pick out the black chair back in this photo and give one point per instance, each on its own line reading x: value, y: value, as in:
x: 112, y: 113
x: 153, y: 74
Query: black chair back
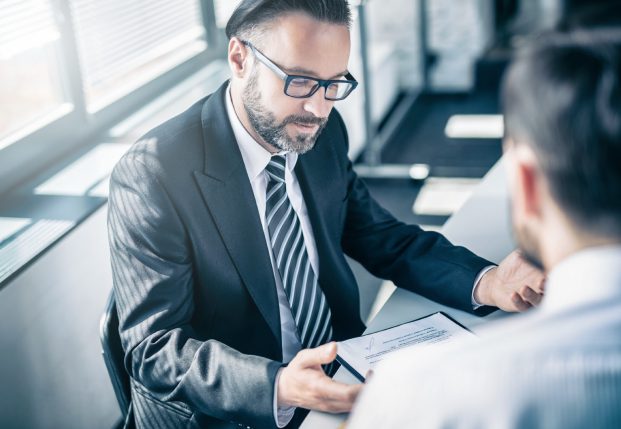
x: 113, y: 355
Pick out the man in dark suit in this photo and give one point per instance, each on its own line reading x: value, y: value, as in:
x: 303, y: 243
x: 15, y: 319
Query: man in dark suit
x: 228, y: 227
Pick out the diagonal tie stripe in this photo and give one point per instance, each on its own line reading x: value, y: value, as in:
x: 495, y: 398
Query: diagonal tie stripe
x: 308, y: 303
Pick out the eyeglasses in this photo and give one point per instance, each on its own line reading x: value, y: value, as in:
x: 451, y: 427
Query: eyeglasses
x: 305, y: 86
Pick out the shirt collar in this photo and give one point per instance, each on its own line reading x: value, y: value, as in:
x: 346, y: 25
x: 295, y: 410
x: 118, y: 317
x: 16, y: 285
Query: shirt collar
x: 590, y: 275
x: 255, y: 156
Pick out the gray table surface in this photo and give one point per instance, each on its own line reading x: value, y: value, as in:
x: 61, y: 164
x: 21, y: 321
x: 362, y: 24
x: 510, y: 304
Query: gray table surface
x: 483, y: 226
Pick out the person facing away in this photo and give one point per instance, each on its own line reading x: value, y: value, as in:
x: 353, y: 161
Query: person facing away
x: 558, y: 366
x: 229, y: 223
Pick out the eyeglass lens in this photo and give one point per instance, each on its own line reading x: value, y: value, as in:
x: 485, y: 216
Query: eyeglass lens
x: 301, y: 87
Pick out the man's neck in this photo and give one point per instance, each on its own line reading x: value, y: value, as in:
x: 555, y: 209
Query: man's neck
x: 555, y: 250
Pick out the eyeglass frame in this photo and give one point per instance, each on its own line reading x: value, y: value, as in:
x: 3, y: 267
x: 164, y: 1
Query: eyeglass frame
x: 321, y: 83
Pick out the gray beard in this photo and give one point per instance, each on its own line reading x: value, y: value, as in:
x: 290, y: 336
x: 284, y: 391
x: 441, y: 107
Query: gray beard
x: 267, y: 127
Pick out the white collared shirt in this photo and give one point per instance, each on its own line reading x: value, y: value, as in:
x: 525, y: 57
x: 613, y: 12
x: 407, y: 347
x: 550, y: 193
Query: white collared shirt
x: 556, y: 366
x: 256, y: 158
x: 596, y: 267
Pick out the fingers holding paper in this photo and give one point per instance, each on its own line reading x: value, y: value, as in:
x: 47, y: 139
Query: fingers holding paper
x: 304, y: 384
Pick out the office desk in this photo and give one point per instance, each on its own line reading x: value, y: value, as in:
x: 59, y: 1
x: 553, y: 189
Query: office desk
x: 481, y: 225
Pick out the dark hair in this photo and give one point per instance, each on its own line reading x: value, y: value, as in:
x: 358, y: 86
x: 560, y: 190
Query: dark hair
x: 562, y: 96
x: 250, y: 14
x: 585, y: 14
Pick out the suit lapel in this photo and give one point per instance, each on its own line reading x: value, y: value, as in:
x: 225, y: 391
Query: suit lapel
x: 316, y: 182
x: 228, y: 195
x: 324, y: 187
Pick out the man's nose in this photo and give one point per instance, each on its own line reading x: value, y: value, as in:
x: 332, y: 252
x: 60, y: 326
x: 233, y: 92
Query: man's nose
x: 318, y: 105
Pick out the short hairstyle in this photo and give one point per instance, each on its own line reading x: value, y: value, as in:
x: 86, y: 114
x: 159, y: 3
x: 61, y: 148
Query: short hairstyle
x: 591, y: 14
x: 562, y: 96
x: 251, y: 15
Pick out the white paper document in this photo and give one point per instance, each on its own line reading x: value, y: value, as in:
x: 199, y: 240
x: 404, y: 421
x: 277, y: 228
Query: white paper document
x: 361, y: 354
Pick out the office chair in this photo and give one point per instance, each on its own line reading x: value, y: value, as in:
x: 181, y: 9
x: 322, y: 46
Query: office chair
x: 113, y: 355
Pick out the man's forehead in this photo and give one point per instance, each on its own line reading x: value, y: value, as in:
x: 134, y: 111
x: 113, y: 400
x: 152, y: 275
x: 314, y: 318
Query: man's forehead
x: 303, y: 45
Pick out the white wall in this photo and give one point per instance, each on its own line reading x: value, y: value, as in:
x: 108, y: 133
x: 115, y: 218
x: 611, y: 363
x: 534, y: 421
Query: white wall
x: 52, y: 374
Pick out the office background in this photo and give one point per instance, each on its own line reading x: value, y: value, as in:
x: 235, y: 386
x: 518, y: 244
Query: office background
x: 80, y: 80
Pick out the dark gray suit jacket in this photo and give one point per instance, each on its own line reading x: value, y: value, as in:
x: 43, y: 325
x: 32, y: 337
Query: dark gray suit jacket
x: 197, y: 301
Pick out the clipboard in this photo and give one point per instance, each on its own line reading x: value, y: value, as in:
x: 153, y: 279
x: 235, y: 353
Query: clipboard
x: 358, y: 359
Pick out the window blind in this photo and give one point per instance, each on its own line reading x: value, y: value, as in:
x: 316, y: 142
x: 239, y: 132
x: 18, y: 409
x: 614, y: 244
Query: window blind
x: 122, y: 44
x: 31, y: 90
x: 25, y: 24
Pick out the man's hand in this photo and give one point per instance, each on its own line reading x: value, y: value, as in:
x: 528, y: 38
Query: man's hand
x: 514, y: 285
x: 304, y: 384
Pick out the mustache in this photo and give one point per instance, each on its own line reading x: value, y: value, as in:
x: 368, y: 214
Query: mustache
x: 304, y: 120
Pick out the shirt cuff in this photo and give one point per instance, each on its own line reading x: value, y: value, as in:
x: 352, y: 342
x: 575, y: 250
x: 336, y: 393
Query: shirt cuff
x: 475, y: 304
x: 282, y: 415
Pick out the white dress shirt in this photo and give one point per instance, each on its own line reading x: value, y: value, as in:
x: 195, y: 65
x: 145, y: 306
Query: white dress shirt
x: 556, y: 366
x: 256, y: 158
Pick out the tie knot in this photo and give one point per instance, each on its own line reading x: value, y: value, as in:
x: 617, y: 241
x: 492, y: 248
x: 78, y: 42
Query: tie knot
x: 276, y: 168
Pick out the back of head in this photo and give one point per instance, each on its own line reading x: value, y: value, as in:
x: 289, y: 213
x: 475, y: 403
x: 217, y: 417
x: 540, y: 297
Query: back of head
x: 249, y: 17
x: 591, y: 14
x: 562, y: 96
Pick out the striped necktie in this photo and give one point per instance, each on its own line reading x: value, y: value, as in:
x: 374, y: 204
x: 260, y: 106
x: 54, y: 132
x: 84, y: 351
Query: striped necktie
x: 307, y: 301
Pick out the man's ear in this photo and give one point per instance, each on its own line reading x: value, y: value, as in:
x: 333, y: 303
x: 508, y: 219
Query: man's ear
x: 238, y: 58
x: 529, y: 182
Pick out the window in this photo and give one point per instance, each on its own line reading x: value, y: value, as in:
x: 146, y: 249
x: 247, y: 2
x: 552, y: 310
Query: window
x: 122, y: 44
x: 31, y: 88
x: 70, y: 69
x: 224, y: 9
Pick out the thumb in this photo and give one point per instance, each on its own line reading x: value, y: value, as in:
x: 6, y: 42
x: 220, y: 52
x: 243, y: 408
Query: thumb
x: 318, y: 356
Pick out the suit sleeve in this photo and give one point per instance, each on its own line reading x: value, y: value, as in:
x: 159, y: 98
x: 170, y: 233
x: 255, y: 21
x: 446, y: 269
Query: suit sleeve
x: 421, y: 261
x: 153, y: 284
